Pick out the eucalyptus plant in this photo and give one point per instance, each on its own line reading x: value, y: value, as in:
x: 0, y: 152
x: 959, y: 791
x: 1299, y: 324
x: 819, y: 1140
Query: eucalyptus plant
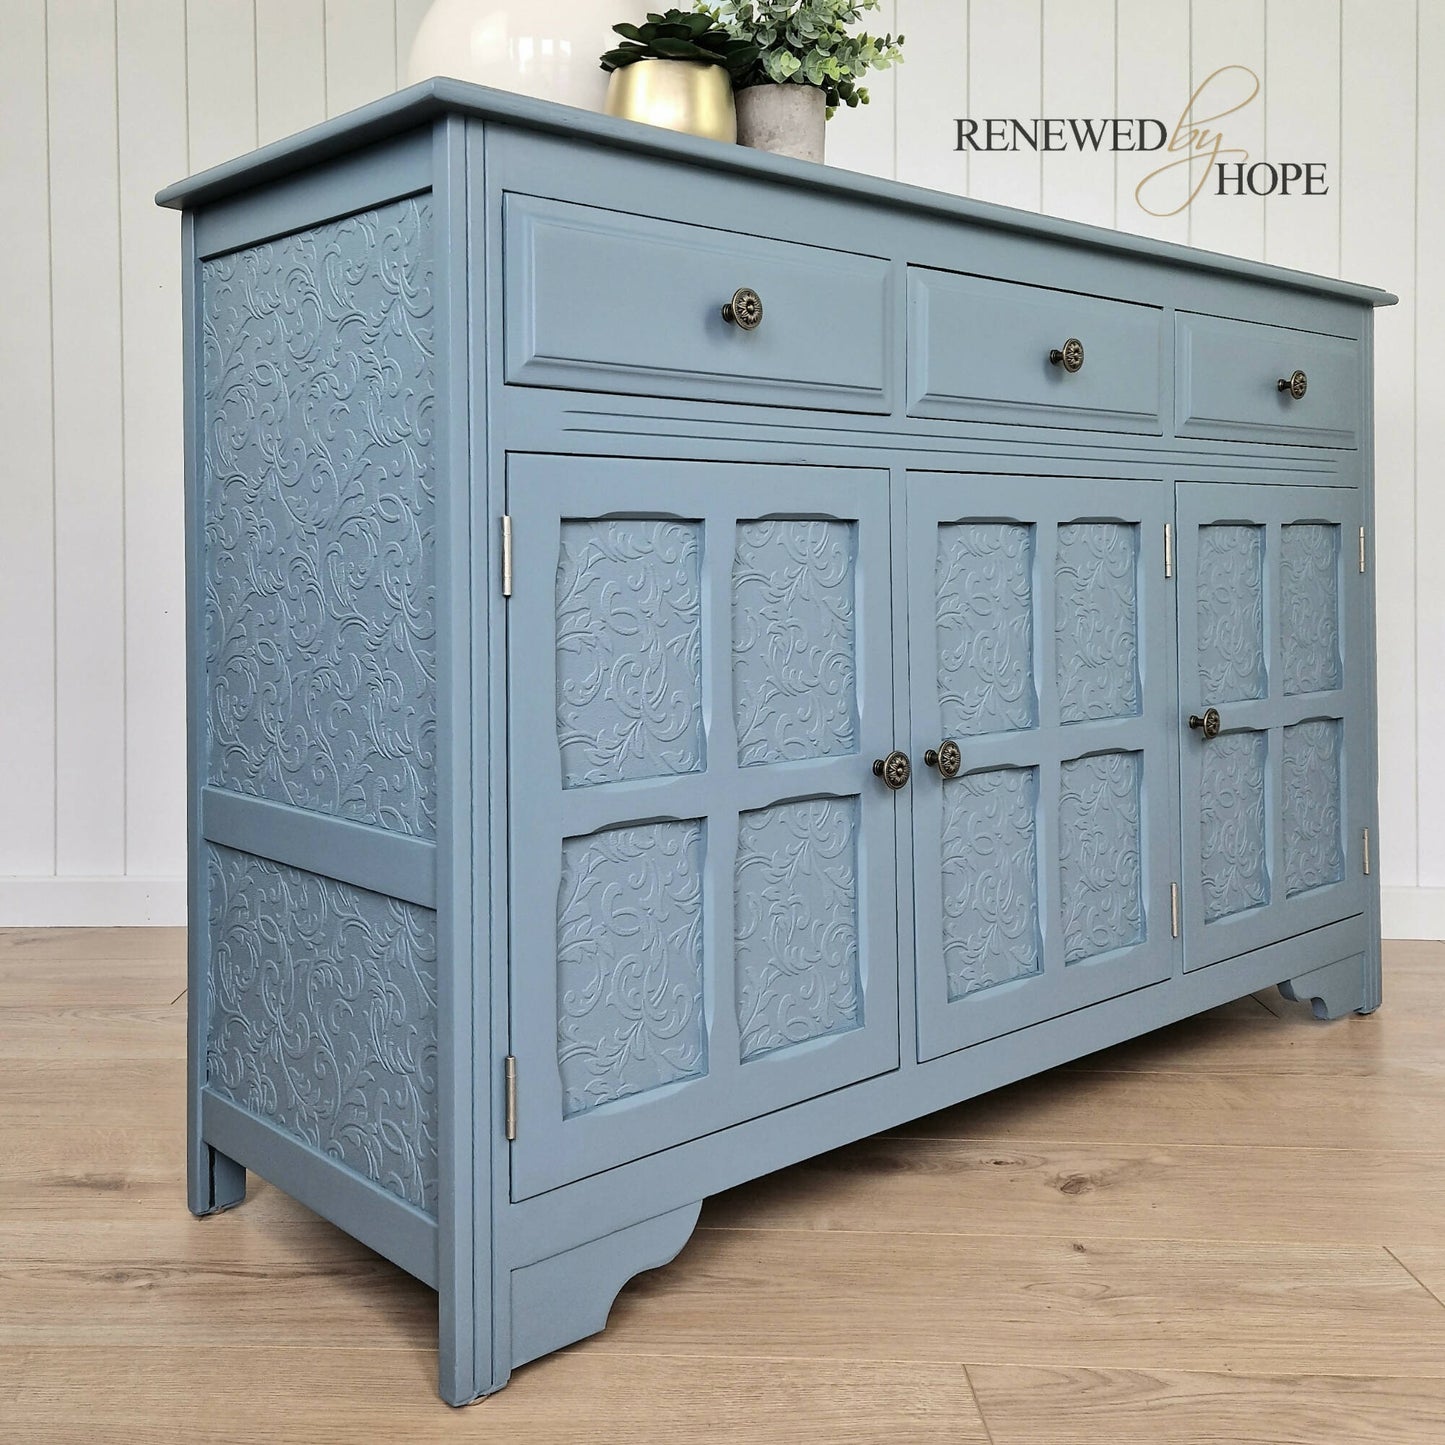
x: 682, y: 35
x: 808, y: 42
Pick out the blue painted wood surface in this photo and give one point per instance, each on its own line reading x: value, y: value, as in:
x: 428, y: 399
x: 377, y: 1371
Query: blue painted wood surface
x: 623, y: 824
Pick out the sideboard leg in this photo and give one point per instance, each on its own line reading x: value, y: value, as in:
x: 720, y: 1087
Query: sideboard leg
x: 1345, y: 986
x: 216, y: 1181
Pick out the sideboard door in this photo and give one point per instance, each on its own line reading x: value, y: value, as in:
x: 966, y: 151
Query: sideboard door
x: 702, y: 864
x: 1041, y: 647
x: 1272, y: 636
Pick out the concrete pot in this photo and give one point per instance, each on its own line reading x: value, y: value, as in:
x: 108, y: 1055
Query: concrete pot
x: 785, y: 119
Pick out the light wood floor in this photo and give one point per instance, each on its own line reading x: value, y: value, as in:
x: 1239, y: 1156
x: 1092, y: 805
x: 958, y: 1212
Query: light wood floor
x: 1229, y: 1231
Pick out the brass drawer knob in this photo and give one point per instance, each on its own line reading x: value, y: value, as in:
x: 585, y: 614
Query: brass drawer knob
x: 946, y: 757
x: 1296, y: 384
x: 1209, y: 724
x: 1070, y: 355
x: 895, y: 769
x: 745, y: 310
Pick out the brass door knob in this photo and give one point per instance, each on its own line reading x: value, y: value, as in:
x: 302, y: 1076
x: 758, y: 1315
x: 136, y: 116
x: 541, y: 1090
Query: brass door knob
x: 895, y: 769
x: 946, y: 757
x: 1070, y: 355
x: 1296, y: 384
x: 745, y: 310
x: 1209, y: 724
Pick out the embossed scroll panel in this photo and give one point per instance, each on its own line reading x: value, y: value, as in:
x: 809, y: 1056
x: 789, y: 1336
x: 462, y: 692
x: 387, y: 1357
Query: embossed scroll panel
x: 1271, y: 635
x: 1042, y: 868
x: 703, y: 868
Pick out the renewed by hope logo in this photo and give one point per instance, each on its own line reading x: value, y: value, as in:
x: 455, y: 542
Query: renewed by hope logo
x: 1196, y: 143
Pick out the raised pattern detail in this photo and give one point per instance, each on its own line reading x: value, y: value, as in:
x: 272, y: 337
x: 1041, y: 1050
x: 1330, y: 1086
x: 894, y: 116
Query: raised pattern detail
x: 984, y: 590
x: 794, y: 693
x: 1096, y: 620
x: 1234, y: 843
x: 1230, y: 602
x: 629, y: 650
x: 323, y: 1016
x: 1310, y: 625
x: 629, y: 962
x: 1313, y: 831
x: 796, y: 922
x: 318, y: 402
x: 1100, y: 895
x: 990, y: 879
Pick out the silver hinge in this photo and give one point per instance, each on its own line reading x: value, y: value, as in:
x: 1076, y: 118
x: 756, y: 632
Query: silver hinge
x: 511, y: 1096
x: 1362, y: 549
x: 1367, y: 852
x: 1174, y: 910
x: 1168, y: 549
x: 506, y: 556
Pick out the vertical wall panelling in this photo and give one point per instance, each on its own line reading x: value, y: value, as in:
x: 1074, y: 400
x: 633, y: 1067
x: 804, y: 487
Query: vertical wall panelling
x: 27, y: 519
x: 1302, y: 123
x: 862, y: 139
x: 360, y: 53
x: 408, y: 19
x: 89, y: 556
x: 1377, y: 236
x: 220, y: 79
x: 1430, y: 440
x: 1227, y: 36
x: 932, y: 94
x: 290, y: 67
x: 1152, y: 56
x: 1078, y: 84
x: 1004, y: 63
x: 151, y: 128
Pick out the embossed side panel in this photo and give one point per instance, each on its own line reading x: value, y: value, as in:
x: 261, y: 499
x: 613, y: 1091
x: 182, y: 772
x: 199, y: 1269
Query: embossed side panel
x: 1229, y: 594
x: 796, y: 924
x: 794, y: 665
x: 990, y: 879
x: 1312, y: 813
x: 318, y: 395
x: 1096, y: 622
x: 629, y: 963
x: 629, y: 650
x: 1233, y: 839
x: 1100, y: 874
x: 1310, y: 625
x: 985, y: 627
x: 324, y: 1016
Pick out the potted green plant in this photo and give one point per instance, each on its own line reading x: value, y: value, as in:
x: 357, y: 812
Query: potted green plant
x: 677, y: 70
x: 808, y: 63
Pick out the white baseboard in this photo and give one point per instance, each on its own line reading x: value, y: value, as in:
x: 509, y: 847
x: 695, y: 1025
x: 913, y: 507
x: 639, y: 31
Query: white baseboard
x: 92, y: 902
x: 1412, y: 912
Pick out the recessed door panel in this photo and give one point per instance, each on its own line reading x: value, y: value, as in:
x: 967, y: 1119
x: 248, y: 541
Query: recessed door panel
x: 1271, y: 637
x: 1041, y: 666
x: 703, y: 924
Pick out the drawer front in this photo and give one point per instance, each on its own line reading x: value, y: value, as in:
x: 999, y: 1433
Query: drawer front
x: 1229, y: 375
x: 601, y: 301
x: 978, y: 350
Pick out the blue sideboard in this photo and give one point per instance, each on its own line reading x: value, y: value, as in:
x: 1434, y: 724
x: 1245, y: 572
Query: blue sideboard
x: 697, y: 657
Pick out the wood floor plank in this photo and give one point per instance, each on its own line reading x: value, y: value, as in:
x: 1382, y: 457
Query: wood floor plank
x: 1024, y: 1405
x: 90, y: 1035
x: 80, y: 944
x: 1426, y: 1262
x: 95, y: 983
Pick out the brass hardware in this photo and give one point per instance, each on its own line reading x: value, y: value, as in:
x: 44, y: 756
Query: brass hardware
x: 506, y: 555
x: 1070, y: 356
x: 1367, y: 852
x: 1209, y: 724
x: 946, y: 757
x: 1168, y: 550
x: 1174, y: 910
x: 1296, y: 383
x: 1362, y: 549
x: 745, y: 310
x: 895, y: 769
x: 511, y: 1077
x: 684, y: 95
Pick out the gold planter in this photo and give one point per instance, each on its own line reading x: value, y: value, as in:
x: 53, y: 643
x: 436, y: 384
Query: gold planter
x: 683, y: 95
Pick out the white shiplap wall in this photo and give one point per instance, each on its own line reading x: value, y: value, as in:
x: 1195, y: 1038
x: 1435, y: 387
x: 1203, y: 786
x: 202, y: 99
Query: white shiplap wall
x: 106, y: 100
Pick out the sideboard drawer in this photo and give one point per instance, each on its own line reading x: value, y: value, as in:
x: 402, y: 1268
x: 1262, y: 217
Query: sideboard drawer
x: 601, y: 301
x: 1229, y: 383
x: 979, y: 350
